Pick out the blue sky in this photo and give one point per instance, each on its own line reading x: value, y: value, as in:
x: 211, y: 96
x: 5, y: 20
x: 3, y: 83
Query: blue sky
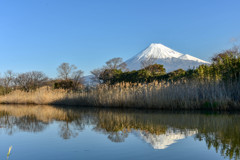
x: 41, y: 34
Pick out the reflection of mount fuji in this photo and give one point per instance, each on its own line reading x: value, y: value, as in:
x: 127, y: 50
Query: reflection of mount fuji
x: 164, y: 140
x: 158, y: 128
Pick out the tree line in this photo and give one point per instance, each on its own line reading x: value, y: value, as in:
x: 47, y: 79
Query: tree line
x: 225, y: 66
x: 69, y: 77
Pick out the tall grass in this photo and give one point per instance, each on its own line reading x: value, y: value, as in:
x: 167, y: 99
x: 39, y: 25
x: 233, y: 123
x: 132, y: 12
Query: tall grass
x: 44, y: 95
x: 160, y: 95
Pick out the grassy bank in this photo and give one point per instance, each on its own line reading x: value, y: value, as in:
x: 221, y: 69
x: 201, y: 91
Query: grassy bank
x: 187, y: 95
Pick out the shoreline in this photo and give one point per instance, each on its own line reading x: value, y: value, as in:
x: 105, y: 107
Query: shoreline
x: 151, y: 96
x: 127, y: 109
x: 199, y: 110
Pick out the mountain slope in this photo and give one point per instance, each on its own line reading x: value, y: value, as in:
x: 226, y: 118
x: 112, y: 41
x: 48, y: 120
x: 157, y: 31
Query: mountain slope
x: 172, y: 60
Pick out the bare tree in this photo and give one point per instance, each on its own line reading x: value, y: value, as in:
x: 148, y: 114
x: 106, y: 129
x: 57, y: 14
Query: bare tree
x: 233, y: 52
x: 96, y: 75
x: 23, y: 80
x: 65, y: 70
x: 7, y: 81
x: 147, y: 62
x: 30, y: 80
x: 9, y: 77
x: 77, y: 78
x: 116, y: 63
x: 38, y: 78
x: 71, y: 77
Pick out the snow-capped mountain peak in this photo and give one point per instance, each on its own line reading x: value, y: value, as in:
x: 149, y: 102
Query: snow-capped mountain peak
x: 172, y: 60
x: 157, y: 50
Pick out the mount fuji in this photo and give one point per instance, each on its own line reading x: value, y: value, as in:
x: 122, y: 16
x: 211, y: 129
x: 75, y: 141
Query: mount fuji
x: 170, y: 59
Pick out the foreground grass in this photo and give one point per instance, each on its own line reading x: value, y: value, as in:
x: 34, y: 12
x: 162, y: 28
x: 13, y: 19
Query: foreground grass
x: 187, y: 95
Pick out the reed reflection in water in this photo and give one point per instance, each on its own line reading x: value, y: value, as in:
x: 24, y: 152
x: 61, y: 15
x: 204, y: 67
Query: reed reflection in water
x: 157, y: 128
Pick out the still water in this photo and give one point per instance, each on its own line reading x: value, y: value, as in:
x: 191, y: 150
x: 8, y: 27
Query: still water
x: 48, y: 132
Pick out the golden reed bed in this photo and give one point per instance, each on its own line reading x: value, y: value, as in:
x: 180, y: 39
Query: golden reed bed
x: 188, y: 95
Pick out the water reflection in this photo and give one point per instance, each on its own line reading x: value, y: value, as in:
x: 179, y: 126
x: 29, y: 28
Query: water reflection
x: 160, y: 129
x: 163, y: 141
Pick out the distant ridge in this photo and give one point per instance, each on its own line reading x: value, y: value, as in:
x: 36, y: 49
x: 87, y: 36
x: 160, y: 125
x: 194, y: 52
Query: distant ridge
x: 172, y: 60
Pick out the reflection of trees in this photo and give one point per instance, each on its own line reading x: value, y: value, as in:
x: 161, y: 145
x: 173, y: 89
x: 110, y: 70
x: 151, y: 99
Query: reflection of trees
x: 72, y: 123
x: 117, y: 125
x: 224, y: 136
x: 66, y: 131
x: 117, y: 136
x: 221, y: 131
x: 113, y: 121
x: 30, y: 124
x: 25, y: 123
x: 114, y: 136
x: 225, y: 146
x: 36, y: 118
x: 7, y: 122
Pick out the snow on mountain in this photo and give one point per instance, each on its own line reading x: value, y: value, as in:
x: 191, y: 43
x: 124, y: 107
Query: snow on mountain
x: 189, y: 57
x: 163, y: 141
x: 172, y: 60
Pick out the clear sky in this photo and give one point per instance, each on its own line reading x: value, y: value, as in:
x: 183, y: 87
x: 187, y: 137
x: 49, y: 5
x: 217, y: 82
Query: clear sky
x: 41, y: 34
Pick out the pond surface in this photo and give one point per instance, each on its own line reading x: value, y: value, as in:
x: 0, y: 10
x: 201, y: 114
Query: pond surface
x: 48, y: 132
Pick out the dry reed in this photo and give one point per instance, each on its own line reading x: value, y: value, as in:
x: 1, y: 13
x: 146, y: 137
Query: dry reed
x: 177, y: 95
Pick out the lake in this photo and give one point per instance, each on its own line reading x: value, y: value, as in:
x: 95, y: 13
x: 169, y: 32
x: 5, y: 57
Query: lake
x: 68, y: 133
